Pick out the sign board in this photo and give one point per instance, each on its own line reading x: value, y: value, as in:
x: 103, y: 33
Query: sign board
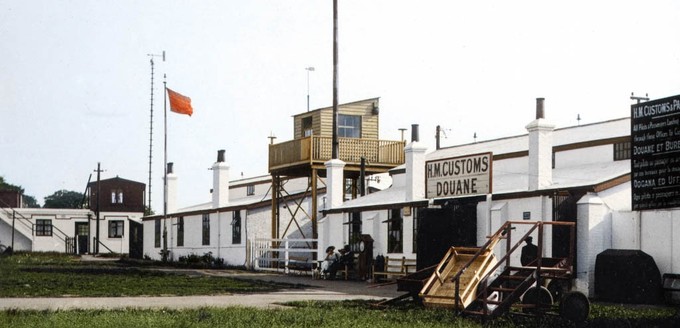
x: 458, y: 176
x: 655, y: 154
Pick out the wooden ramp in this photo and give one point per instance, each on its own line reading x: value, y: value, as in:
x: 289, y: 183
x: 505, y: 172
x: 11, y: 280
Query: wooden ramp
x: 466, y: 266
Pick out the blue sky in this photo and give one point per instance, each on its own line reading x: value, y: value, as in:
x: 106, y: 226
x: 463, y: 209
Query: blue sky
x: 75, y: 76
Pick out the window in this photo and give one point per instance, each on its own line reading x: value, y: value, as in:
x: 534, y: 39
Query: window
x: 250, y: 190
x: 349, y: 126
x: 414, y: 212
x: 355, y: 230
x: 622, y: 151
x: 307, y: 126
x: 236, y: 228
x: 180, y: 231
x: 116, y: 228
x: 43, y: 227
x: 157, y: 233
x: 117, y: 196
x: 395, y: 231
x: 206, y: 229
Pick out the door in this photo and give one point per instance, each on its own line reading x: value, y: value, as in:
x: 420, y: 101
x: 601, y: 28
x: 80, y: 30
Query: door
x: 564, y: 209
x: 82, y: 240
x: 454, y: 224
x: 136, y: 240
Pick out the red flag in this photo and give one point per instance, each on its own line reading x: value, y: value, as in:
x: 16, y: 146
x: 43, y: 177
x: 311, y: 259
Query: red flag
x: 179, y: 104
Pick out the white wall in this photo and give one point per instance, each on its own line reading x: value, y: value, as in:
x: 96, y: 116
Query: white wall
x: 581, y: 156
x: 660, y: 238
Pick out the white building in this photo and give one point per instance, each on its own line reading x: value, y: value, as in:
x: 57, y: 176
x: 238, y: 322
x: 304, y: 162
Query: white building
x: 75, y: 230
x: 578, y: 174
x: 239, y: 214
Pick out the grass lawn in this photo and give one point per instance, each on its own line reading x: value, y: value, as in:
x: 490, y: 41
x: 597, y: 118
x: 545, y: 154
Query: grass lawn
x: 42, y: 275
x: 321, y: 314
x: 55, y: 275
x: 312, y: 314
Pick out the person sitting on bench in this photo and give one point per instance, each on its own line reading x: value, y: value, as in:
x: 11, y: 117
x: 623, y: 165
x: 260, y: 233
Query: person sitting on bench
x: 330, y: 259
x: 346, y: 259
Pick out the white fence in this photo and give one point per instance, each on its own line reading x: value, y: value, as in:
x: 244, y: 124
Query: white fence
x: 284, y: 255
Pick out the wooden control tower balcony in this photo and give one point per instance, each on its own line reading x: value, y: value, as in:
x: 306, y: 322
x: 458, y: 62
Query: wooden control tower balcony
x: 297, y: 157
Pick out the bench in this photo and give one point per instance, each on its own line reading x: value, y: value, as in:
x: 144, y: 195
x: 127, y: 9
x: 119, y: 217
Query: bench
x: 395, y: 267
x: 300, y: 265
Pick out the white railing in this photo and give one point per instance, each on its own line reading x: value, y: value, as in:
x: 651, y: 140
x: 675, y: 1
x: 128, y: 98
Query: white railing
x: 283, y: 255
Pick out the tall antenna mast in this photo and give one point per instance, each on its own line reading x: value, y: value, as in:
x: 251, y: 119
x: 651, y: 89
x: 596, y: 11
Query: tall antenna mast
x: 148, y: 200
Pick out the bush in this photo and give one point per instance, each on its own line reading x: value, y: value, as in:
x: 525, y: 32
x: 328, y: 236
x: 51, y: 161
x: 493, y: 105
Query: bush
x: 207, y: 260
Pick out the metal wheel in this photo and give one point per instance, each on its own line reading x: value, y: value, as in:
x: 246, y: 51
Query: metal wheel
x: 558, y: 288
x: 539, y: 296
x: 575, y: 306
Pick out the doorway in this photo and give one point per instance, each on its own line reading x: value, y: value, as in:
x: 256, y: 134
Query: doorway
x: 454, y: 224
x: 82, y: 237
x: 136, y: 240
x: 565, y: 210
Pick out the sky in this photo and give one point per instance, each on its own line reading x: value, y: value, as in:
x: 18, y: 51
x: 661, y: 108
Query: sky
x: 75, y: 77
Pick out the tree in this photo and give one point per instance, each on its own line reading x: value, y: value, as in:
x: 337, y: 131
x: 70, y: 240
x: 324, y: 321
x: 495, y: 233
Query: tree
x: 64, y: 199
x: 28, y: 201
x: 8, y: 186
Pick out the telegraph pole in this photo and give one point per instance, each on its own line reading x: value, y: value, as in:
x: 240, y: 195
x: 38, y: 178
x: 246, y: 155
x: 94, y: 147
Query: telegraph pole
x: 336, y: 145
x: 99, y: 189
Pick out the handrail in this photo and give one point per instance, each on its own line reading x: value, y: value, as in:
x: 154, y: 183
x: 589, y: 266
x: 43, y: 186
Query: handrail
x: 100, y: 243
x: 506, y: 226
x: 28, y: 224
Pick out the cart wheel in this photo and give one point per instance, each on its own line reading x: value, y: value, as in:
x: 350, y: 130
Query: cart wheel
x: 575, y: 306
x: 539, y: 296
x: 558, y: 288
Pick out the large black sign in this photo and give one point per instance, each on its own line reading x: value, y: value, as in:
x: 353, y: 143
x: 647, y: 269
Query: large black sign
x: 655, y: 158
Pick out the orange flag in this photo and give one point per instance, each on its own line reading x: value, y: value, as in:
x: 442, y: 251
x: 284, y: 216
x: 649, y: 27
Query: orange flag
x: 179, y: 104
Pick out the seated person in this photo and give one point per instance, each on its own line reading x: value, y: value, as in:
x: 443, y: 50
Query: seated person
x: 346, y: 259
x: 329, y: 260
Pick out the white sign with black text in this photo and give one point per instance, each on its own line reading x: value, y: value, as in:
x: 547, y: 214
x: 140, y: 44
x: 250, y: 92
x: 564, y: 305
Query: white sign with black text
x: 458, y: 176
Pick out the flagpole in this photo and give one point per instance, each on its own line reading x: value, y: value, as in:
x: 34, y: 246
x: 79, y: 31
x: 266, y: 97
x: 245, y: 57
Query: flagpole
x: 164, y: 255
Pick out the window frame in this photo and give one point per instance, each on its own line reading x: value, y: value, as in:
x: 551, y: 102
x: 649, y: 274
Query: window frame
x: 347, y: 127
x: 414, y: 216
x: 354, y: 230
x: 117, y: 225
x: 236, y: 228
x: 205, y: 230
x: 43, y: 227
x: 180, y: 231
x: 395, y: 231
x: 622, y: 151
x: 157, y: 233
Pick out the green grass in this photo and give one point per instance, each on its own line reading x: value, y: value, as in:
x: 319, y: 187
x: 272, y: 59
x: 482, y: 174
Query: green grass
x: 51, y: 274
x: 314, y: 314
x: 55, y: 275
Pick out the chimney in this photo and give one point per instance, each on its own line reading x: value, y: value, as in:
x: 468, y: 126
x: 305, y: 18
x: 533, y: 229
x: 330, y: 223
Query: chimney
x: 220, y: 193
x: 540, y: 112
x: 415, y: 136
x: 172, y: 189
x: 540, y: 149
x: 414, y: 154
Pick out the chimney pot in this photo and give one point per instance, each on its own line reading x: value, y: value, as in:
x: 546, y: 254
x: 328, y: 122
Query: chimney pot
x: 220, y: 156
x: 540, y: 111
x: 415, y: 136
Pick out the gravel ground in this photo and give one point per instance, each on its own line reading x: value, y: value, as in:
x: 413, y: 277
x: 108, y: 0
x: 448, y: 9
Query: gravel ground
x: 306, y: 288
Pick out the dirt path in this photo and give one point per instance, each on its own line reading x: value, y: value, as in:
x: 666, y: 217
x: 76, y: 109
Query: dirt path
x: 309, y: 289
